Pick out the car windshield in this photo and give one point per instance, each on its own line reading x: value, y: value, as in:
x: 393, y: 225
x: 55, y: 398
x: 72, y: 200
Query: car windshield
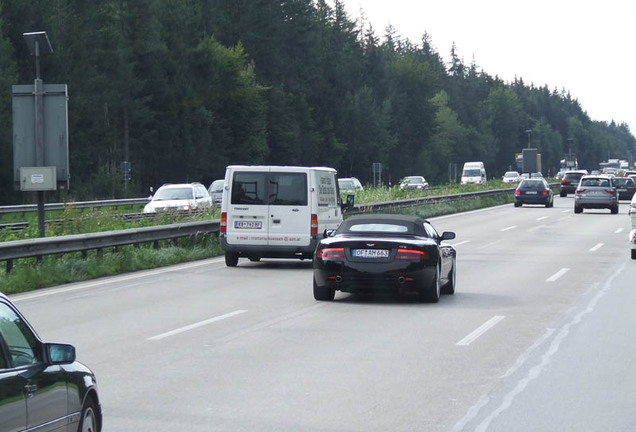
x: 472, y: 173
x: 379, y: 227
x: 532, y: 184
x: 346, y: 184
x: 511, y: 174
x: 595, y: 182
x: 217, y: 186
x: 184, y: 193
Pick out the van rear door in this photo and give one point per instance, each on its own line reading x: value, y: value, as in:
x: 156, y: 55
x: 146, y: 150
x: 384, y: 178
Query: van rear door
x: 289, y: 209
x: 269, y: 208
x: 248, y: 210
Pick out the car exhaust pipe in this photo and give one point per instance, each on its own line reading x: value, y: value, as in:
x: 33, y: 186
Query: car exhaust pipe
x: 401, y: 279
x: 338, y: 278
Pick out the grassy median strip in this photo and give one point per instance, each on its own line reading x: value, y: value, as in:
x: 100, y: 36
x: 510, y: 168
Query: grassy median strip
x: 55, y: 270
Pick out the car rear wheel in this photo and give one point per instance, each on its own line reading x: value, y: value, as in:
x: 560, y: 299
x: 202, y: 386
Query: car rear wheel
x: 578, y: 209
x: 323, y: 293
x: 517, y: 204
x: 432, y: 292
x: 88, y: 421
x: 563, y: 194
x: 449, y: 288
x: 633, y: 253
x: 614, y: 209
x: 231, y: 259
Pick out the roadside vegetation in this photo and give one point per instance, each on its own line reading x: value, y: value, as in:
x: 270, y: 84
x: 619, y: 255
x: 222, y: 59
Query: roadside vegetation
x: 27, y: 274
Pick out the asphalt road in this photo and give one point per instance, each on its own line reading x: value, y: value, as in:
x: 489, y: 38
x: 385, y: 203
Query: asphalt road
x: 536, y: 338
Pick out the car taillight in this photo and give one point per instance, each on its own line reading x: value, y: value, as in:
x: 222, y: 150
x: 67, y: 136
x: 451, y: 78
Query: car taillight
x: 331, y: 253
x: 314, y: 224
x: 411, y: 254
x: 580, y: 191
x: 517, y: 192
x: 564, y: 182
x: 609, y: 191
x: 224, y: 222
x: 545, y: 193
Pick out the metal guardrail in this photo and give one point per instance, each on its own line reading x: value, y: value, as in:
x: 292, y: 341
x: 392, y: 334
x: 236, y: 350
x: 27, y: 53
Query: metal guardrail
x: 96, y: 241
x: 39, y: 247
x: 414, y: 202
x: 80, y: 204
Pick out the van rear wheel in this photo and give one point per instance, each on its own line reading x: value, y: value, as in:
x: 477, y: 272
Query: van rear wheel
x: 231, y: 259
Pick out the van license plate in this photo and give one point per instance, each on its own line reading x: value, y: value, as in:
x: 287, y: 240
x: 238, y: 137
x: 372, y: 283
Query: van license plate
x: 371, y: 253
x: 248, y: 224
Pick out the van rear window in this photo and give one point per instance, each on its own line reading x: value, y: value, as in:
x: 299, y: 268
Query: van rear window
x: 269, y: 188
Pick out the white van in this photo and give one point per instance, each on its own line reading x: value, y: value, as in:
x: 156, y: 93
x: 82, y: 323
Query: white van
x: 474, y: 173
x: 277, y: 211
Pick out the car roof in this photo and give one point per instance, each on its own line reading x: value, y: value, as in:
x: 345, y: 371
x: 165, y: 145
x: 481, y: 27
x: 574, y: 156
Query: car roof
x: 414, y: 224
x: 179, y: 185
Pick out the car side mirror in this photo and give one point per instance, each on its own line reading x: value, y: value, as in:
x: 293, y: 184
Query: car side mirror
x: 329, y: 232
x: 349, y: 203
x: 447, y: 235
x: 60, y: 353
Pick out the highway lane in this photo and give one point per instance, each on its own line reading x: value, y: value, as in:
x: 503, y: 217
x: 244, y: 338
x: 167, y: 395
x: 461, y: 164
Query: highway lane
x: 579, y: 377
x: 205, y: 347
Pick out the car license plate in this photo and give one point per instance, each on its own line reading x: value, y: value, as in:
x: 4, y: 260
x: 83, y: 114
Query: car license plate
x: 248, y: 224
x: 531, y: 192
x: 371, y: 253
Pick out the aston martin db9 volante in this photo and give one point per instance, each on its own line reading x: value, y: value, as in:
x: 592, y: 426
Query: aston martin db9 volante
x: 385, y: 253
x: 42, y: 387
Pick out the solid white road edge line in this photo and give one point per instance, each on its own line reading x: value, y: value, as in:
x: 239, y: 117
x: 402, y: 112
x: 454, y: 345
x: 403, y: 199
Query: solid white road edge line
x: 508, y: 228
x: 480, y: 330
x: 557, y: 275
x: 542, y: 218
x: 597, y: 247
x: 196, y: 325
x: 618, y: 231
x: 460, y: 243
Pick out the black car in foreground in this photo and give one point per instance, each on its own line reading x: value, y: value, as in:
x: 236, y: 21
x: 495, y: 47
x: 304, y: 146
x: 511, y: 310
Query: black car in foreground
x: 42, y: 387
x: 385, y: 253
x: 534, y: 191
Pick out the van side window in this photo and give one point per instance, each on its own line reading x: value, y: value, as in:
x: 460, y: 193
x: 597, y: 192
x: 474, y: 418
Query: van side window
x: 288, y: 189
x: 249, y: 188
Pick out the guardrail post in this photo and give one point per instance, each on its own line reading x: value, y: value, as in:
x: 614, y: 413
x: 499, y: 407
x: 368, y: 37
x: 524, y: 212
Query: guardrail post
x: 9, y: 266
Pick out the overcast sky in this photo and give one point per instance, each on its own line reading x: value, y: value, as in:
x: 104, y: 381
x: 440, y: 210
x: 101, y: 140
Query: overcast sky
x: 585, y: 47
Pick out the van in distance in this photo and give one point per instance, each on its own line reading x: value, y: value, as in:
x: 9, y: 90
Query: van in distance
x: 474, y: 173
x: 272, y: 211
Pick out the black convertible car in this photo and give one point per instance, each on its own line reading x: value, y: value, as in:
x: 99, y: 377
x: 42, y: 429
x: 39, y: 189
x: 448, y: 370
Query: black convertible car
x: 385, y: 253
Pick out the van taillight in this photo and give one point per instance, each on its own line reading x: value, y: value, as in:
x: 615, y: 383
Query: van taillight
x: 314, y: 224
x: 224, y: 222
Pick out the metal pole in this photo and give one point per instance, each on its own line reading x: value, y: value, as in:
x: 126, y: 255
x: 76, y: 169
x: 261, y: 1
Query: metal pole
x: 39, y: 133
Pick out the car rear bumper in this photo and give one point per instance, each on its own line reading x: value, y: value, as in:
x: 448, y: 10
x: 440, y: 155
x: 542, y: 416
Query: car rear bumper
x: 532, y: 199
x: 267, y: 251
x: 595, y: 203
x: 383, y: 279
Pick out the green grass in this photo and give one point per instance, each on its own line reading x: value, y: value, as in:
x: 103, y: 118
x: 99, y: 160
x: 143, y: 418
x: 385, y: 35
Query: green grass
x: 65, y: 268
